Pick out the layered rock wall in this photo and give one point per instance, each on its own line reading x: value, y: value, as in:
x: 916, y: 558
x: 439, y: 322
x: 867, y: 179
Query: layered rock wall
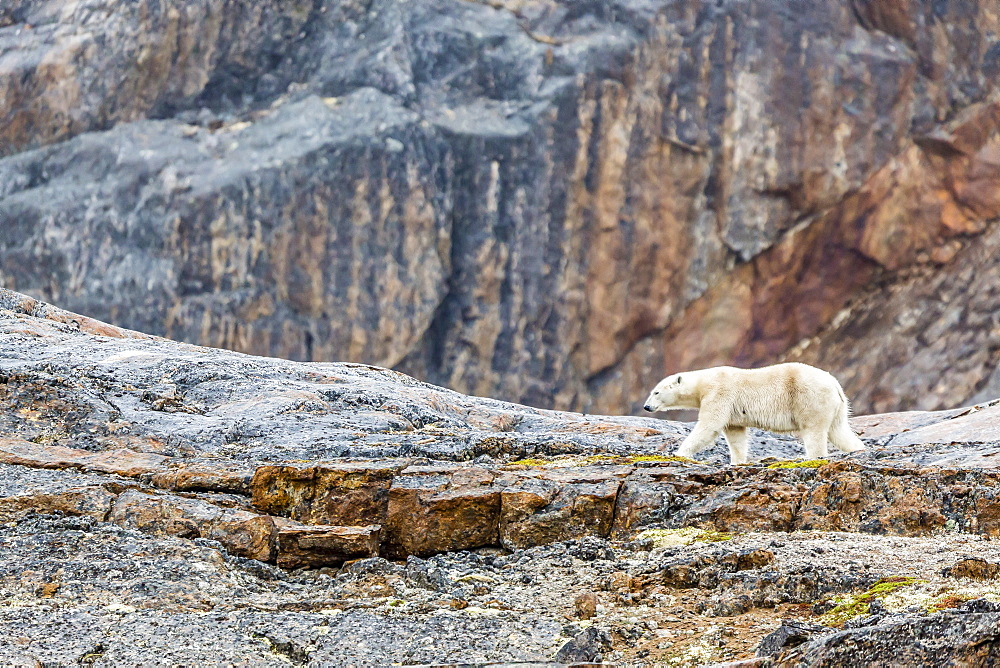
x: 554, y: 203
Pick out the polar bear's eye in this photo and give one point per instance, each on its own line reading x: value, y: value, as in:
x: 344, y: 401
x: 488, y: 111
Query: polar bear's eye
x: 678, y: 380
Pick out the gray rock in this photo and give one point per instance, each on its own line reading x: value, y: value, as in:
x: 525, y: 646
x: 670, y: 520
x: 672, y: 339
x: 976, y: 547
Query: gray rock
x: 942, y: 639
x: 586, y: 646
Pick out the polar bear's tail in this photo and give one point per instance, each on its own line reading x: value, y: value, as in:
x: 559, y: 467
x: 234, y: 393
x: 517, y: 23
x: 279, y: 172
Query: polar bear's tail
x: 841, y: 434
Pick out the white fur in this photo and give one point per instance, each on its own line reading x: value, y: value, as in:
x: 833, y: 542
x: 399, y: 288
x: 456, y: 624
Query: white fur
x: 789, y: 397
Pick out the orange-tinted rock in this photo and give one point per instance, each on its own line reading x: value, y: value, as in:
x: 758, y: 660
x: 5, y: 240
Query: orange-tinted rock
x: 301, y: 545
x: 904, y: 502
x: 205, y: 477
x: 986, y: 516
x: 705, y: 570
x: 441, y: 508
x: 922, y: 341
x: 586, y: 605
x: 338, y: 493
x: 974, y: 568
x: 121, y: 462
x: 756, y: 506
x: 89, y: 500
x: 243, y: 533
x: 546, y: 506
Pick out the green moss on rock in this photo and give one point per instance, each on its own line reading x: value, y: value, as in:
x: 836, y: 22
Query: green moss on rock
x: 855, y: 605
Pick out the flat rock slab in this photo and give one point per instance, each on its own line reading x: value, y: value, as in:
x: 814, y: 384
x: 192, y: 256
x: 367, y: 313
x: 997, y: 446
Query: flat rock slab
x: 972, y: 425
x: 892, y: 424
x: 243, y: 533
x: 120, y: 461
x: 441, y: 508
x: 64, y: 385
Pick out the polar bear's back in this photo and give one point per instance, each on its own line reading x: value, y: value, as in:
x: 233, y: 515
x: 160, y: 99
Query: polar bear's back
x: 782, y: 397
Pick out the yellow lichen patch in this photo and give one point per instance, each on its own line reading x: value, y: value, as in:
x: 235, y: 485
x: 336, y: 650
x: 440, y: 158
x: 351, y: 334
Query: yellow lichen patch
x: 599, y: 459
x: 808, y: 464
x: 684, y: 536
x: 662, y: 458
x: 855, y: 605
x: 529, y: 462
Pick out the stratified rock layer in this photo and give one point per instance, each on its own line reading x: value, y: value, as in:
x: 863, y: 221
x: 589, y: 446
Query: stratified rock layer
x: 264, y: 456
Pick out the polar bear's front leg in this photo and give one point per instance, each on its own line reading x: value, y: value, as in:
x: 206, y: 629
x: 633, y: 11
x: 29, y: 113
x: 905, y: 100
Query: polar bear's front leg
x: 702, y: 436
x: 737, y: 437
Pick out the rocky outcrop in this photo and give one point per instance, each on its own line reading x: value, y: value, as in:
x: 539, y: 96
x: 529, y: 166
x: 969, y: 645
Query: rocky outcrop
x: 315, y: 464
x: 957, y: 639
x: 162, y: 501
x: 556, y: 203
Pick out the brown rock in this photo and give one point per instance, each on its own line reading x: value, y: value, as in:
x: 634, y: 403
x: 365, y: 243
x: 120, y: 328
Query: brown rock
x: 300, y: 545
x: 441, y: 508
x: 619, y: 582
x: 48, y: 590
x: 121, y: 462
x: 974, y: 568
x: 243, y: 533
x: 90, y: 500
x: 986, y: 516
x: 752, y: 559
x: 348, y: 493
x: 586, y: 605
x: 705, y: 570
x: 545, y: 506
x: 652, y: 496
x: 757, y: 506
x: 848, y: 498
x: 205, y: 477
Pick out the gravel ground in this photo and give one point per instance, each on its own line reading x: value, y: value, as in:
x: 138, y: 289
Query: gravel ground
x: 75, y: 590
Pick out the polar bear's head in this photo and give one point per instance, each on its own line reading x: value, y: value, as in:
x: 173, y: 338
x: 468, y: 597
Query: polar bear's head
x: 676, y: 391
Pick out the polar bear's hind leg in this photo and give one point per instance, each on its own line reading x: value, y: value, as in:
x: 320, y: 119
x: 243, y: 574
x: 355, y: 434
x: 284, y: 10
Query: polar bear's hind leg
x: 815, y: 441
x: 737, y: 437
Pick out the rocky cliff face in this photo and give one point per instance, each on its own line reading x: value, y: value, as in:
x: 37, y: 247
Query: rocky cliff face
x: 549, y: 202
x: 165, y: 502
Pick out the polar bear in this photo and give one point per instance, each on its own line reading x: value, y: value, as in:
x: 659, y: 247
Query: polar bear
x: 780, y: 398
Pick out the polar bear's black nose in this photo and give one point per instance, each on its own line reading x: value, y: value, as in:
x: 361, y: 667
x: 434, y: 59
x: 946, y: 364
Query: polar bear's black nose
x: 647, y: 408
